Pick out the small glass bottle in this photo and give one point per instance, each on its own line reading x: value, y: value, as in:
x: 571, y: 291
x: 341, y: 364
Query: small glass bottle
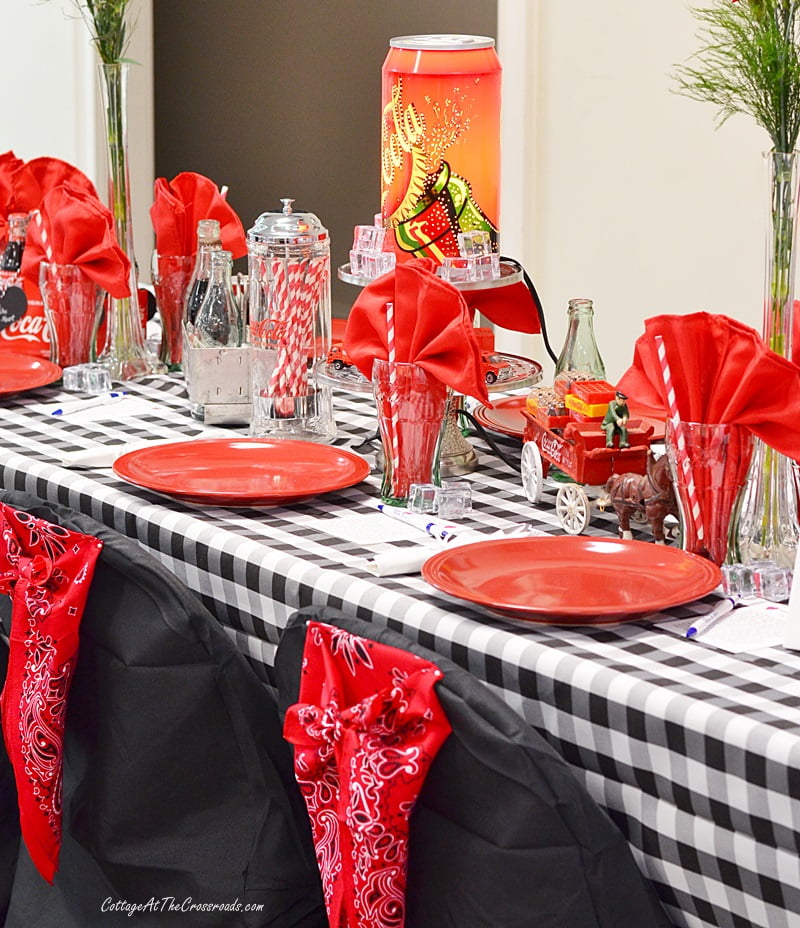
x: 580, y: 354
x: 208, y: 241
x: 11, y: 260
x: 218, y: 323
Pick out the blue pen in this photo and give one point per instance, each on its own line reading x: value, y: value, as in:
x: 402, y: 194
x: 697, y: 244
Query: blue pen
x: 102, y: 400
x: 433, y: 527
x: 711, y: 618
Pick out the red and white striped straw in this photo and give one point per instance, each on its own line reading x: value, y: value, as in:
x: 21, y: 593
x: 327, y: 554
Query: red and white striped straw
x: 45, y: 239
x: 393, y: 398
x: 680, y: 439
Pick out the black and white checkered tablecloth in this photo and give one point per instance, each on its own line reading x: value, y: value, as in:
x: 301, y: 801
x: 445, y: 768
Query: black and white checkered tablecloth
x: 694, y: 752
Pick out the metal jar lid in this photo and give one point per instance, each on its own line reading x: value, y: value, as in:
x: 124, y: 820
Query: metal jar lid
x: 288, y: 228
x: 442, y: 42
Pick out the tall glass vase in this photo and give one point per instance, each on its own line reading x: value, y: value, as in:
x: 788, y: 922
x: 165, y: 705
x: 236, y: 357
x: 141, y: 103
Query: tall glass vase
x: 124, y: 354
x: 764, y: 525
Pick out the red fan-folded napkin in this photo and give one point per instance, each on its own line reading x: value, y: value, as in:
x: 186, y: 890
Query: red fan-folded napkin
x: 76, y: 228
x: 10, y: 166
x: 24, y: 184
x: 511, y: 307
x: 47, y: 570
x: 432, y: 326
x: 366, y: 728
x: 49, y: 173
x: 14, y: 194
x: 722, y: 372
x: 178, y: 206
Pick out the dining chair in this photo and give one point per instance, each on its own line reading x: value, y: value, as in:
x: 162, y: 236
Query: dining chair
x: 502, y: 833
x: 178, y: 793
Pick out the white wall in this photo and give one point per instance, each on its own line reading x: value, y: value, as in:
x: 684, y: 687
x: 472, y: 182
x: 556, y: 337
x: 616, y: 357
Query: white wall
x: 631, y: 197
x: 56, y: 111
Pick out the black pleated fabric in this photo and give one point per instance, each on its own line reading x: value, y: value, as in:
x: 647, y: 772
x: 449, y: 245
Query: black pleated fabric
x: 503, y: 835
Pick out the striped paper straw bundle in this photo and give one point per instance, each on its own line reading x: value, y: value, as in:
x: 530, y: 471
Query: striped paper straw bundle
x: 684, y: 462
x: 293, y: 316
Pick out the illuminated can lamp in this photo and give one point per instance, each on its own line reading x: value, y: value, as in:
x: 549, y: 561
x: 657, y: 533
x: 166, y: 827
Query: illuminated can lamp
x: 440, y: 142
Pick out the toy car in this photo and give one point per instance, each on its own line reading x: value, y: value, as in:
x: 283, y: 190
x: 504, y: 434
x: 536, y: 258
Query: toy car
x: 339, y: 358
x: 495, y: 367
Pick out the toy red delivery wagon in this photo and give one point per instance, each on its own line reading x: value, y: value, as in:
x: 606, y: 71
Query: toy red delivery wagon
x: 566, y: 431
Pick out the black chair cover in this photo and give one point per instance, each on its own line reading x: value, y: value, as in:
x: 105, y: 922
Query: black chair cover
x: 503, y: 835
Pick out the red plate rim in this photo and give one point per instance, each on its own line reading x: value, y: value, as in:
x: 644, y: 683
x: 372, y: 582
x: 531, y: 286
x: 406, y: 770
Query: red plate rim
x: 532, y: 573
x: 21, y: 372
x: 170, y: 469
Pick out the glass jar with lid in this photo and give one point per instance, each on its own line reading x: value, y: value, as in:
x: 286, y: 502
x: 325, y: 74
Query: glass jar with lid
x: 290, y: 325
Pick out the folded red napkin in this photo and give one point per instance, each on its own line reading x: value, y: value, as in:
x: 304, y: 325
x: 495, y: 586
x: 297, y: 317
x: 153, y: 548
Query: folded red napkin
x: 722, y: 371
x: 510, y: 307
x: 179, y: 204
x: 432, y: 325
x: 76, y: 228
x: 10, y: 166
x: 49, y: 173
x: 24, y: 184
x: 10, y: 200
x: 366, y: 728
x: 47, y: 570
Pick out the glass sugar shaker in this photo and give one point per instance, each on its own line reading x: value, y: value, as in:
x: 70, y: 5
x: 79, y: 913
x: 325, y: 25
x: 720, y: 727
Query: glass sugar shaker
x: 289, y: 265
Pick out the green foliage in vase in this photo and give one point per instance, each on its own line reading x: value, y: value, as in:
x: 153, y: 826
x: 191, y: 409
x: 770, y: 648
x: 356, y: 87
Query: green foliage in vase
x: 749, y: 63
x: 108, y: 23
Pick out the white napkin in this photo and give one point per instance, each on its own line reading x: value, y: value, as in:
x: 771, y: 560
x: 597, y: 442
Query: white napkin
x: 97, y: 457
x: 746, y: 629
x: 113, y: 407
x: 400, y: 561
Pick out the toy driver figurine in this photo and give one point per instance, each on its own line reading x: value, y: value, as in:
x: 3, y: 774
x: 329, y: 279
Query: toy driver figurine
x: 616, y: 420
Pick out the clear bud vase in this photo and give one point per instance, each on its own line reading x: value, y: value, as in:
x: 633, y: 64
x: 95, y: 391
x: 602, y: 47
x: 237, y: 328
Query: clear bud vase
x: 764, y: 526
x: 124, y: 355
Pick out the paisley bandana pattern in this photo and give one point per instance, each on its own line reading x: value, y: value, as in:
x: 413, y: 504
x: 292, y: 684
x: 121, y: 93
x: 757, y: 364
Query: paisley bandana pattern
x: 47, y: 570
x: 366, y: 728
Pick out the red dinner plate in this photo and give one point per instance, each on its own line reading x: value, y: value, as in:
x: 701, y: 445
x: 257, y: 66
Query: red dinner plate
x: 507, y: 418
x: 19, y: 372
x: 571, y: 580
x: 242, y: 471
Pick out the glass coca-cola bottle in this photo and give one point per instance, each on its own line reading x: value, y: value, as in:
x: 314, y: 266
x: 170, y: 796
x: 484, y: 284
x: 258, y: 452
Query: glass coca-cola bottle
x: 580, y: 358
x: 208, y: 241
x: 11, y: 260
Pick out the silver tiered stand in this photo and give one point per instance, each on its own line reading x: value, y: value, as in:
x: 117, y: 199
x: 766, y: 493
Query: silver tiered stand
x: 457, y: 455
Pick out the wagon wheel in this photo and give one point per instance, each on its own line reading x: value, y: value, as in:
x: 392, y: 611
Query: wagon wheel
x: 572, y: 508
x: 530, y: 465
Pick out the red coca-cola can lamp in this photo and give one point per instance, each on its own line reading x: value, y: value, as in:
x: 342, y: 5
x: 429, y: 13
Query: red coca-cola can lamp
x: 440, y: 142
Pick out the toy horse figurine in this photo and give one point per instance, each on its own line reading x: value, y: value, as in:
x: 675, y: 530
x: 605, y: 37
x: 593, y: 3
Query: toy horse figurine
x: 651, y: 493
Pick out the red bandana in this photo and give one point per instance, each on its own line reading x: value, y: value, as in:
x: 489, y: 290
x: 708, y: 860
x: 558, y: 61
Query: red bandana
x: 47, y: 570
x: 366, y: 728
